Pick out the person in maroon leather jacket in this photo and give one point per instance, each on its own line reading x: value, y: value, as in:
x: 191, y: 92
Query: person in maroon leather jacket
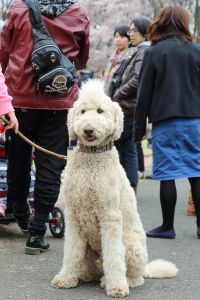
x: 42, y: 118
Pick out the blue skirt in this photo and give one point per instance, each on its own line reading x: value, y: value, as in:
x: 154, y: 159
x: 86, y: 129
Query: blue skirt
x: 176, y: 148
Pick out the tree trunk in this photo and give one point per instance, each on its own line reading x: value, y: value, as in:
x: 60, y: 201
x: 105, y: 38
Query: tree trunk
x: 197, y: 21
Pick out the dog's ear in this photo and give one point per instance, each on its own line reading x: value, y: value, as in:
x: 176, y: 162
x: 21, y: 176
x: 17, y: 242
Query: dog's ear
x: 119, y: 121
x: 70, y: 124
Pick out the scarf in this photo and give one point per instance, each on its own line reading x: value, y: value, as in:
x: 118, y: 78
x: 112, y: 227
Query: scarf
x: 53, y: 8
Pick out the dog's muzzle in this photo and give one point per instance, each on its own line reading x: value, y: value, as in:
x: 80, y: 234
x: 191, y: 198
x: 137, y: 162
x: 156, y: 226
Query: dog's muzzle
x: 89, y: 133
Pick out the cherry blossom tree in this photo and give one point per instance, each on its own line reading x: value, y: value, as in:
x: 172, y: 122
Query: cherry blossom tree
x: 3, y: 7
x: 106, y: 15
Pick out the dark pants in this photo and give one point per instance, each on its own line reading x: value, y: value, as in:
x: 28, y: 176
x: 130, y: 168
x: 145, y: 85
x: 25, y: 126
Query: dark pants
x: 127, y: 151
x: 47, y: 129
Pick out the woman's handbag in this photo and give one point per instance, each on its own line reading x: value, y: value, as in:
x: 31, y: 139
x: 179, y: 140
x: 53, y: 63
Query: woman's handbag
x: 117, y: 77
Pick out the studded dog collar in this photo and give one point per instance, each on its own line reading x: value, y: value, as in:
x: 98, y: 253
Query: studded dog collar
x: 95, y: 149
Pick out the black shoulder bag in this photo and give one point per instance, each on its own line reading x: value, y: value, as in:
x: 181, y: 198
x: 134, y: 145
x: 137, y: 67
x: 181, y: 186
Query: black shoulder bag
x: 54, y: 72
x: 117, y: 77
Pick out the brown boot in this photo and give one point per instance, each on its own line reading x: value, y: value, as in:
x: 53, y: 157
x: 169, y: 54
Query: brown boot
x: 190, y: 208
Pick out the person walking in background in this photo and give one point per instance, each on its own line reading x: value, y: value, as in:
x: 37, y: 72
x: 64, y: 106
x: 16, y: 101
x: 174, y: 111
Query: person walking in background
x: 126, y: 95
x: 121, y: 53
x: 169, y: 95
x: 83, y: 76
x: 42, y: 118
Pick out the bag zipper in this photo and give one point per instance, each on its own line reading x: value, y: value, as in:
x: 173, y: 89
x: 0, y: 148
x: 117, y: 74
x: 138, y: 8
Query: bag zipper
x: 45, y: 47
x: 60, y: 68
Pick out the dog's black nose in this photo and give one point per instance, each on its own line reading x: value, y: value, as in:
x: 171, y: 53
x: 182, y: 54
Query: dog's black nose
x: 88, y: 130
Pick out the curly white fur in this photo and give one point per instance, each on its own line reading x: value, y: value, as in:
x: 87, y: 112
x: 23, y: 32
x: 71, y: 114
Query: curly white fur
x: 104, y: 235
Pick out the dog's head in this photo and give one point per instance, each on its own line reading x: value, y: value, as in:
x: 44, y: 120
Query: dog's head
x: 94, y: 119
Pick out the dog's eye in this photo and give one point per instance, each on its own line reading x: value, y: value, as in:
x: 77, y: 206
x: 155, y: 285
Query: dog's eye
x: 83, y: 111
x: 100, y: 111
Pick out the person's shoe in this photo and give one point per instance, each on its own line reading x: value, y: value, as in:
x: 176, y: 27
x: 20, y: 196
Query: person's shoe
x: 198, y: 232
x: 140, y: 175
x: 36, y: 244
x: 155, y: 233
x: 148, y: 177
x: 190, y: 208
x: 22, y: 219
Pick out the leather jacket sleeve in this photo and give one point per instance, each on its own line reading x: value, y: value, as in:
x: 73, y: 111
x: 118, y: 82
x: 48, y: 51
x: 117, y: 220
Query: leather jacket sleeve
x: 145, y: 92
x: 5, y: 42
x: 129, y: 87
x: 83, y: 55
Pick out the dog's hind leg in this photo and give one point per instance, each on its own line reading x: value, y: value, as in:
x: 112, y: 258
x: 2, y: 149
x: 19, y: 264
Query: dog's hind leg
x: 136, y: 258
x: 113, y: 254
x: 74, y: 255
x: 91, y: 268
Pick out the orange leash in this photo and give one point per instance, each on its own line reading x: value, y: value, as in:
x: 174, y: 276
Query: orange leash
x: 35, y: 145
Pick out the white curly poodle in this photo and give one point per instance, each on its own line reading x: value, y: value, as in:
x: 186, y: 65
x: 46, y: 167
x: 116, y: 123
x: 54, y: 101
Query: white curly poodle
x: 104, y: 235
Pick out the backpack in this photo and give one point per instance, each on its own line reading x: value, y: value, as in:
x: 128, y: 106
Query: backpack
x: 54, y: 72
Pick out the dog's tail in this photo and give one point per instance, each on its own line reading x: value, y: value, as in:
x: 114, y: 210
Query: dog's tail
x: 160, y: 269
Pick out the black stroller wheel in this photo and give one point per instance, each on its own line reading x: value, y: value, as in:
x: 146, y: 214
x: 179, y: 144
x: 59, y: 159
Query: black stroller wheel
x: 57, y: 223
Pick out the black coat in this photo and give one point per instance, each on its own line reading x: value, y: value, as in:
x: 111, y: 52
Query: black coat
x: 169, y: 83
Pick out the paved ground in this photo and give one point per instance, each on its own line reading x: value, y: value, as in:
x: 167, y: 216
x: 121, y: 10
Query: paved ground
x: 25, y: 277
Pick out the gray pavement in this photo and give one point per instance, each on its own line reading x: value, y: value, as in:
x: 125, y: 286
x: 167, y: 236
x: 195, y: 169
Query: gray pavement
x: 24, y: 277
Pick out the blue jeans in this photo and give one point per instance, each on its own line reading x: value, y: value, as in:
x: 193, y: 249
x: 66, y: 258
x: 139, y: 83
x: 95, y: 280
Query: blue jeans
x: 127, y: 151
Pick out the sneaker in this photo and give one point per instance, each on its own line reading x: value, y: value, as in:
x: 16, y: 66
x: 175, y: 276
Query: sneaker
x: 2, y: 210
x: 168, y: 234
x: 22, y: 219
x: 198, y: 232
x: 36, y: 244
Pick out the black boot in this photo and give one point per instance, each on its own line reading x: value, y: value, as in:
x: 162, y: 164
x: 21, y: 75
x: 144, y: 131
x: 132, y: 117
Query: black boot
x: 22, y: 219
x: 35, y: 244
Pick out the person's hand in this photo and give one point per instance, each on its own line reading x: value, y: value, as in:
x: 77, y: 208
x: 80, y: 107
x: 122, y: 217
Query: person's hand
x: 13, y: 122
x: 139, y: 133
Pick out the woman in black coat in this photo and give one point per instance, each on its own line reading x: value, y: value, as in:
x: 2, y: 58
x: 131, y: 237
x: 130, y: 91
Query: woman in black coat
x: 169, y: 95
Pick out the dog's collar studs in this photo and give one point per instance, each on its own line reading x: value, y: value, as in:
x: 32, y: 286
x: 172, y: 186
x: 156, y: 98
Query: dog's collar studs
x: 95, y: 149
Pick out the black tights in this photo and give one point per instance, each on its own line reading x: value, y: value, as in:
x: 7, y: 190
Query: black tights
x: 195, y: 187
x: 168, y: 196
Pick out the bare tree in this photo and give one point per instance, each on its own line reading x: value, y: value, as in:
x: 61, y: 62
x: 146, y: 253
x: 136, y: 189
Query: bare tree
x: 106, y: 15
x: 156, y: 5
x: 193, y: 6
x: 4, y: 6
x: 197, y: 21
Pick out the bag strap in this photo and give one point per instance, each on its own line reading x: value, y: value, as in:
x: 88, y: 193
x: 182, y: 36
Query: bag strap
x: 35, y: 18
x: 34, y: 12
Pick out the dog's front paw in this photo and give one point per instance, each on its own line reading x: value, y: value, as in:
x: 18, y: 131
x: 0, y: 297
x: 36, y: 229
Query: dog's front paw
x: 118, y: 291
x: 64, y: 282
